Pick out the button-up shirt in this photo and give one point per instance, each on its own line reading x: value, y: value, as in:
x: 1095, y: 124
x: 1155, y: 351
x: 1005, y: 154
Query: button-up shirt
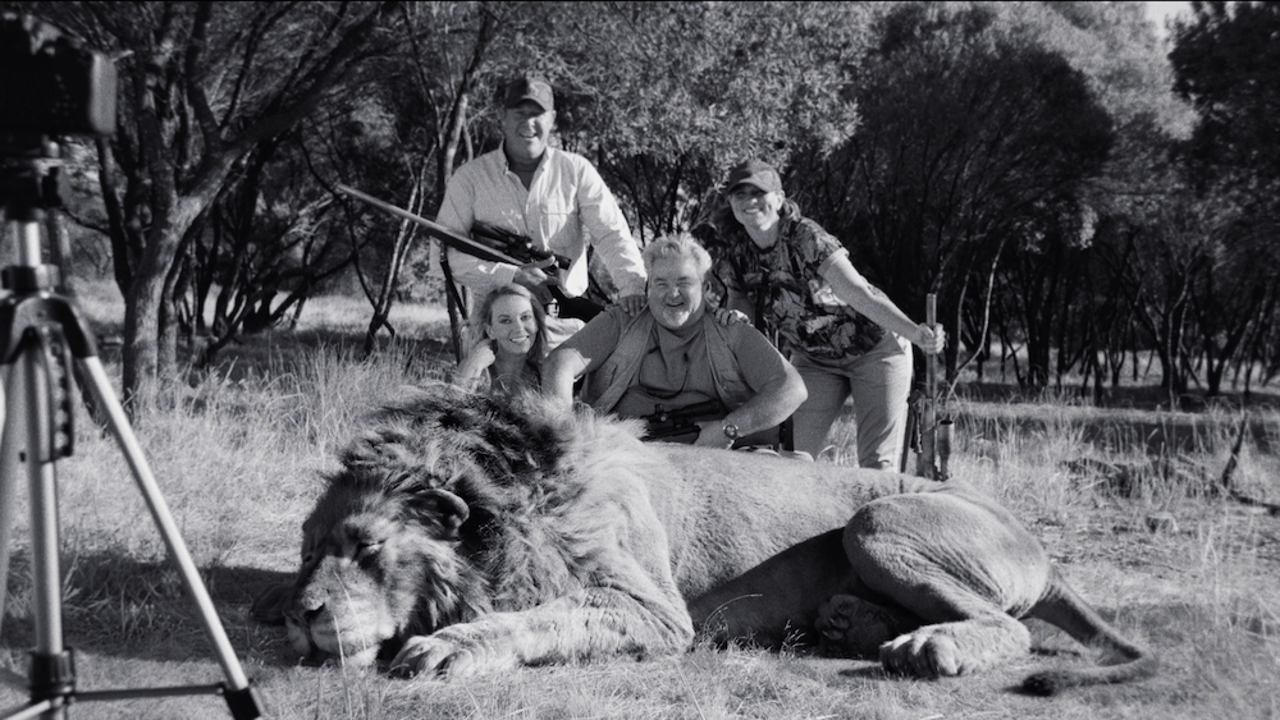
x: 566, y: 206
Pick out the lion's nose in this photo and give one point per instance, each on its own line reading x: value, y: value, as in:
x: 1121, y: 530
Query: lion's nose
x: 307, y: 607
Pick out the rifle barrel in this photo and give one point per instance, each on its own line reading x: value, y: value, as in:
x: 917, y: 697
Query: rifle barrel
x: 452, y: 238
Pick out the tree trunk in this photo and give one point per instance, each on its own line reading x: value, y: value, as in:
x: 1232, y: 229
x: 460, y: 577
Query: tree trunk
x: 150, y: 340
x: 141, y: 323
x: 386, y: 294
x: 456, y: 124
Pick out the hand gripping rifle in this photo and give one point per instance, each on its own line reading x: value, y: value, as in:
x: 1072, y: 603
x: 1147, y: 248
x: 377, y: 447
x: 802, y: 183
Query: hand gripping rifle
x: 495, y: 245
x: 516, y: 245
x: 936, y: 431
x: 681, y: 424
x: 522, y: 246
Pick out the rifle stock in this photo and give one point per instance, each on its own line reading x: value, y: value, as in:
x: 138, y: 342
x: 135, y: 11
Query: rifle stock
x: 936, y: 427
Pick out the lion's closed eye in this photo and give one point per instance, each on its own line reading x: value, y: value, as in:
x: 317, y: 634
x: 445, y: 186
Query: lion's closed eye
x: 368, y: 550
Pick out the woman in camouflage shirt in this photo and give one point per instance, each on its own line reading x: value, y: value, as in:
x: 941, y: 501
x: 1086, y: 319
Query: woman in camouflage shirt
x: 844, y: 336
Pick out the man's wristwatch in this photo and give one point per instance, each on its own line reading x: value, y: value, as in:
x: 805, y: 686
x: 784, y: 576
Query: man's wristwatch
x: 731, y: 431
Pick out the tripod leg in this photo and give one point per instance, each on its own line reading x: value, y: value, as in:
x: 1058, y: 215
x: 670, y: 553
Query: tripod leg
x: 8, y: 494
x: 44, y: 503
x: 240, y: 697
x: 26, y: 441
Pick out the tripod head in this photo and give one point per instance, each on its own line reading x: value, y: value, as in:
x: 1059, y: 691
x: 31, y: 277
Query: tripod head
x: 29, y: 173
x: 29, y: 190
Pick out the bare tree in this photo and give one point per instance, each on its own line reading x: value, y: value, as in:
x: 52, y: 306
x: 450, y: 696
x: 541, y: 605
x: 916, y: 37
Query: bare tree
x: 202, y: 84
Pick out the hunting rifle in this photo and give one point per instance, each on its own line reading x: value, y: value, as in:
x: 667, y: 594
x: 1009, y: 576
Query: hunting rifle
x: 681, y: 424
x: 495, y: 244
x: 936, y: 432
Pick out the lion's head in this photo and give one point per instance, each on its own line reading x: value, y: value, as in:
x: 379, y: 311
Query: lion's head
x: 421, y: 527
x: 379, y: 559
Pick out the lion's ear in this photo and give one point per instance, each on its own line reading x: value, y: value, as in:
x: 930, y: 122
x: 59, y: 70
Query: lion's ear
x: 443, y: 508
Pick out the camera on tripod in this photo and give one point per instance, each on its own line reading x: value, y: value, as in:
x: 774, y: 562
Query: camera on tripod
x: 51, y: 83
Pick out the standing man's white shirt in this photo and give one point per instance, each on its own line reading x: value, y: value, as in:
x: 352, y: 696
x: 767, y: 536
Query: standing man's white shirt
x: 566, y: 207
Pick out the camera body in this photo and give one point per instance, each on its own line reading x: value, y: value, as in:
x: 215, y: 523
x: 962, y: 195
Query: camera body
x: 50, y: 83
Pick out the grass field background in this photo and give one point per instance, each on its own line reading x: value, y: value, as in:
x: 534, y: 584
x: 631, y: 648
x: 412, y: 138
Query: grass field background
x: 239, y: 462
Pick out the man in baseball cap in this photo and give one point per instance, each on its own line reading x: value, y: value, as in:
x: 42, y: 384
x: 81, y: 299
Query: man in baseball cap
x: 555, y: 198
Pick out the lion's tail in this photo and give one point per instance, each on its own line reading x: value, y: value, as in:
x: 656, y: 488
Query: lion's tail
x: 1123, y: 660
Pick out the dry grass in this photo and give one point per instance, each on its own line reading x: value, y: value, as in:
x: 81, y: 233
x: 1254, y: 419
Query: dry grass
x: 239, y: 463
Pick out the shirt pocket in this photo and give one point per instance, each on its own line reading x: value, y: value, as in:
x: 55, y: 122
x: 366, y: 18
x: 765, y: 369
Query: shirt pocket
x: 558, y: 221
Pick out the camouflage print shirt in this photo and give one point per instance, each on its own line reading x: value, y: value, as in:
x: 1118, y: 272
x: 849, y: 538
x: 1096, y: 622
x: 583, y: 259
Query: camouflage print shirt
x: 784, y: 284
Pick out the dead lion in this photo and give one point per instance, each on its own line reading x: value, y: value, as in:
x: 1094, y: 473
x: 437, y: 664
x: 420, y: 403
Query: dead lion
x: 468, y: 535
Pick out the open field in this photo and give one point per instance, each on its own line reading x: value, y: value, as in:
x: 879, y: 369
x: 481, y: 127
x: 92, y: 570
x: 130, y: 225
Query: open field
x: 239, y: 462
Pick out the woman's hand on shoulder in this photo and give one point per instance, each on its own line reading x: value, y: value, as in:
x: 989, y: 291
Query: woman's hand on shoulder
x: 633, y: 304
x: 727, y: 316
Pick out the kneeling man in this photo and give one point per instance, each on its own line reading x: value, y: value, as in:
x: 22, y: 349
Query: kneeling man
x: 676, y: 355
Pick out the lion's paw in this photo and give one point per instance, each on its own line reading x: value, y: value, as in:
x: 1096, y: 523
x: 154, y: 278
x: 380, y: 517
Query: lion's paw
x: 929, y: 652
x: 852, y: 627
x: 435, y: 655
x: 270, y: 605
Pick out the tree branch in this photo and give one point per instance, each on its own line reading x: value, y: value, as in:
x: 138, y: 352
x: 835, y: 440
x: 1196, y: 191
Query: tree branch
x: 192, y: 63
